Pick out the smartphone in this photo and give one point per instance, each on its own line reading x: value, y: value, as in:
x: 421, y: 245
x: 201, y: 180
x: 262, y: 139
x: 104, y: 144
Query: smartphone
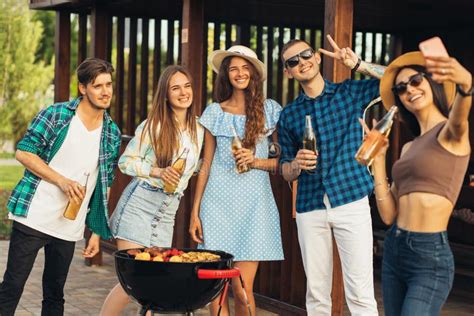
x: 433, y: 47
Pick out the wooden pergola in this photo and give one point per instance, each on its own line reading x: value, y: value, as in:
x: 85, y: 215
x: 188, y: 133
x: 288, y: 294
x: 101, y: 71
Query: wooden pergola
x: 381, y: 29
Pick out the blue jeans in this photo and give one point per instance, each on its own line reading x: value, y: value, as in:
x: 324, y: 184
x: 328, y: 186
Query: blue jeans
x: 417, y: 272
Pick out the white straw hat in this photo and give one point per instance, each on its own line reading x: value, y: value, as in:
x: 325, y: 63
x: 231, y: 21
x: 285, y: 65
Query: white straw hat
x: 216, y: 57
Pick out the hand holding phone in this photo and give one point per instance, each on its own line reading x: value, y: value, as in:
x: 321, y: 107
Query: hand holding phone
x: 433, y: 47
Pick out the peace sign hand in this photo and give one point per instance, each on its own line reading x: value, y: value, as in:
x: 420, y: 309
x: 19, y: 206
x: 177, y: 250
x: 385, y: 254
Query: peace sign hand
x: 344, y: 55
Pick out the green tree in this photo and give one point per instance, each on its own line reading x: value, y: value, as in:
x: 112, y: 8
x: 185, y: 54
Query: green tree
x: 45, y: 51
x: 23, y: 82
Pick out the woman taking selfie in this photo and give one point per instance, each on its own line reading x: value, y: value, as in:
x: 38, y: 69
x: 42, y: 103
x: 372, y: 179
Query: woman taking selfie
x: 418, y: 267
x: 234, y: 199
x: 145, y: 213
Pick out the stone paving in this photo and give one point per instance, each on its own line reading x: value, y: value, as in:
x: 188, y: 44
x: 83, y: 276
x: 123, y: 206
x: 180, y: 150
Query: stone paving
x: 87, y: 287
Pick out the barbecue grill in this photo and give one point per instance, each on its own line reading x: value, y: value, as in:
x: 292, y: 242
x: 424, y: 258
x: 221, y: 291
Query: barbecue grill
x: 174, y: 287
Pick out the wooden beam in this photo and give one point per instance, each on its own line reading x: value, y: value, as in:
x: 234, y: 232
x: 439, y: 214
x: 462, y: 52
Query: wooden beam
x: 120, y: 73
x: 98, y: 49
x: 157, y: 55
x: 132, y: 77
x: 204, y: 62
x: 192, y: 50
x: 192, y: 44
x: 99, y: 32
x: 269, y: 62
x: 108, y: 47
x: 216, y: 44
x: 144, y: 71
x: 228, y: 35
x: 62, y: 51
x: 243, y: 36
x: 338, y: 21
x: 82, y: 41
x: 82, y: 38
x: 170, y: 43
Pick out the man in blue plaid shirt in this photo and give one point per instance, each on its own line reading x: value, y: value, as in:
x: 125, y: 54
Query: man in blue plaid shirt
x: 69, y: 151
x: 334, y: 196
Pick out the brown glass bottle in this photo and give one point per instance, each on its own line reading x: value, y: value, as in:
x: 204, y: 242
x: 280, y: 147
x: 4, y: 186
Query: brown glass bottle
x: 179, y: 165
x: 309, y: 138
x: 374, y: 141
x: 236, y: 145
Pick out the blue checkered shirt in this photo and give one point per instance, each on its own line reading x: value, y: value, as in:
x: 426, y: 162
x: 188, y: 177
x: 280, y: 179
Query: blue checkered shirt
x: 334, y: 115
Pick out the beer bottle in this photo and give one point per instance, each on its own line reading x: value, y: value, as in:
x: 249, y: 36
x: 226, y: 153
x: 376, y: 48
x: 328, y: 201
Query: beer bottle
x: 373, y: 142
x: 179, y: 165
x: 72, y: 208
x: 309, y: 139
x: 236, y: 145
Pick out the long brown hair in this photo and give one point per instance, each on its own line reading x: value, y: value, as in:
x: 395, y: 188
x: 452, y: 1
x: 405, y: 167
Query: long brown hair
x: 254, y: 111
x: 439, y: 99
x: 165, y: 142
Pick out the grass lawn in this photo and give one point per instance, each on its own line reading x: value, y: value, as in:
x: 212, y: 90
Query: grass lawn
x: 9, y: 176
x: 7, y: 155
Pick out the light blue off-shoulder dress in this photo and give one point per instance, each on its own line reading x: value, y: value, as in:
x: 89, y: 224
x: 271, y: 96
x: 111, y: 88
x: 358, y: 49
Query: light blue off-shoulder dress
x: 238, y: 211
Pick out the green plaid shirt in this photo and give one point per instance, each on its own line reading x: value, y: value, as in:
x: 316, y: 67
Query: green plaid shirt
x: 44, y: 137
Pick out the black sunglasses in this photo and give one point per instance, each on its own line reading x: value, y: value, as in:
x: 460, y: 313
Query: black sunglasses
x: 414, y: 81
x: 295, y: 60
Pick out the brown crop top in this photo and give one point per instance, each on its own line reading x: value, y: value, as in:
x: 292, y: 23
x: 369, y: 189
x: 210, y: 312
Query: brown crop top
x: 428, y: 167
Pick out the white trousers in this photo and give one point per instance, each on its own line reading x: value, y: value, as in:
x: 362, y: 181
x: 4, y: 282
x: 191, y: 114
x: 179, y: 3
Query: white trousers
x: 352, y: 227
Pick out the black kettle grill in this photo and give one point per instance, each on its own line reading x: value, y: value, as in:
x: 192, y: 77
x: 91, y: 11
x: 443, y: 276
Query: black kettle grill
x: 174, y: 287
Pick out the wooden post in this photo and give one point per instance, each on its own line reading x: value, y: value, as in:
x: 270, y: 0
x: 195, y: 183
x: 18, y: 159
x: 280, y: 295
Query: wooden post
x: 244, y: 34
x: 192, y: 47
x: 62, y: 51
x: 99, y: 34
x: 338, y: 20
x: 100, y: 25
x: 192, y: 52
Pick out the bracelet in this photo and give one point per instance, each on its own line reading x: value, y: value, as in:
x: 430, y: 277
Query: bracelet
x: 463, y: 93
x: 387, y: 193
x: 381, y: 182
x: 357, y: 65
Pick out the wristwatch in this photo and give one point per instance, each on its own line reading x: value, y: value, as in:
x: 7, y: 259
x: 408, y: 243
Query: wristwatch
x: 463, y: 93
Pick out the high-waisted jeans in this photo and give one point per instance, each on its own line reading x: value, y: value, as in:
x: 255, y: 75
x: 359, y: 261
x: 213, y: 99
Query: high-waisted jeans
x: 417, y: 272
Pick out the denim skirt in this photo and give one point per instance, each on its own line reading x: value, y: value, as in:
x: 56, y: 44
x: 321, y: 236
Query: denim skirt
x: 145, y: 215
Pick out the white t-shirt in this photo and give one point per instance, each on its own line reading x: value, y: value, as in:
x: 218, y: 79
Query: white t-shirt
x: 79, y: 154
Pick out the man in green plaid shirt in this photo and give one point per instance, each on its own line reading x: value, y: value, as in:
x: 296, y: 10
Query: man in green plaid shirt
x: 70, y: 152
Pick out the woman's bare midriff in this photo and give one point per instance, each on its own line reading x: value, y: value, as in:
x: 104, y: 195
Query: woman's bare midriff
x: 423, y: 212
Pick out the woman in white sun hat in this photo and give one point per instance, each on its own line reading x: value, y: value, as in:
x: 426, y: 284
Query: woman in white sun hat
x: 236, y: 212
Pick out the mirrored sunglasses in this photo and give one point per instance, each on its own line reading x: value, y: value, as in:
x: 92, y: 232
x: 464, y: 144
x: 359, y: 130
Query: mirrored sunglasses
x: 295, y: 60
